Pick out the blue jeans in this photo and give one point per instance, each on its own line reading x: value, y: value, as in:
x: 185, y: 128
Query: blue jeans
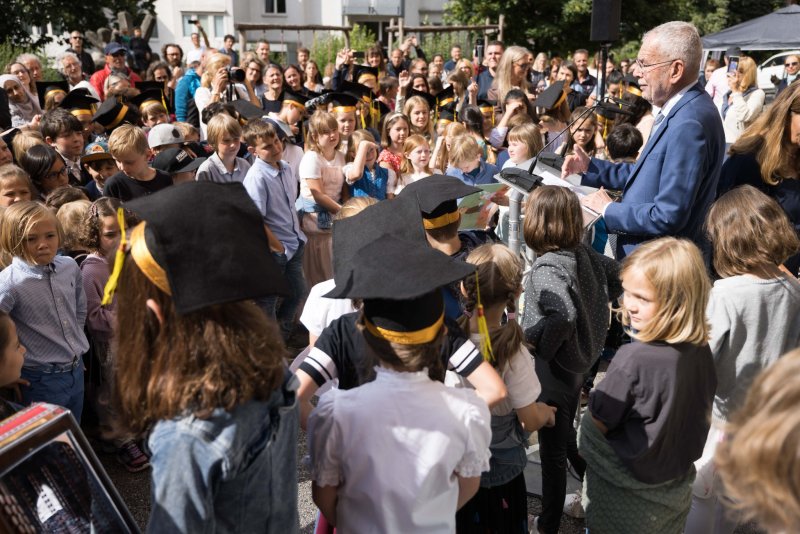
x: 63, y: 388
x: 284, y: 310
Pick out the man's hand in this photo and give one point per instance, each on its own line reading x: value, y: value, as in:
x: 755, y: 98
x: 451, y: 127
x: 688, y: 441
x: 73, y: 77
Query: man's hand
x: 576, y: 163
x: 597, y: 201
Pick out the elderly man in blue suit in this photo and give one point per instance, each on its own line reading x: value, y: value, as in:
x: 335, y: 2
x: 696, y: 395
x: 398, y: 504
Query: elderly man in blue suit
x: 668, y: 191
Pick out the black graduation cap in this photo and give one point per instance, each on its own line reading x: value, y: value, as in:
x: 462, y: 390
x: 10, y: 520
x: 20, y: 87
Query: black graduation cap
x: 295, y: 98
x: 396, y: 216
x: 150, y: 85
x: 208, y: 240
x: 45, y: 89
x: 427, y: 97
x: 445, y: 97
x: 632, y: 84
x: 383, y: 109
x: 9, y: 135
x: 148, y: 97
x: 342, y: 102
x: 358, y: 90
x: 401, y: 305
x: 447, y: 113
x: 79, y: 102
x: 437, y: 198
x: 112, y: 113
x: 551, y: 97
x: 486, y: 105
x: 362, y: 72
x: 320, y: 99
x: 247, y: 110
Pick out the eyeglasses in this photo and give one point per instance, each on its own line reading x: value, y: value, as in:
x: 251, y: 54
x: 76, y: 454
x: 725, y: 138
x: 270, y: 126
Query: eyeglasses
x: 121, y: 53
x: 76, y: 37
x: 55, y: 174
x: 523, y: 65
x: 161, y: 78
x: 642, y: 65
x: 791, y: 64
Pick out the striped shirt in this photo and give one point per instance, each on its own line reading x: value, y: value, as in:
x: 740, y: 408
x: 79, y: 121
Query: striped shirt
x: 48, y: 306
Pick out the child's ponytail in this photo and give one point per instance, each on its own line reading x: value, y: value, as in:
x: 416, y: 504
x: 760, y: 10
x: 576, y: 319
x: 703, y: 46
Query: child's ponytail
x: 500, y: 279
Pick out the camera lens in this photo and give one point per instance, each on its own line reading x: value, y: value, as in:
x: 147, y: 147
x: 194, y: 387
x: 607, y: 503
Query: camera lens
x: 235, y: 75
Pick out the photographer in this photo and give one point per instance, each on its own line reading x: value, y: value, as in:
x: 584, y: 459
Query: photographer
x: 222, y: 83
x: 399, y: 60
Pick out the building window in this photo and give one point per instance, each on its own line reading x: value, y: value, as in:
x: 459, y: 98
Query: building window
x: 275, y: 6
x: 214, y: 25
x: 219, y: 26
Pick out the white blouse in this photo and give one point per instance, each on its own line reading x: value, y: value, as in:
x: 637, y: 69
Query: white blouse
x: 394, y: 447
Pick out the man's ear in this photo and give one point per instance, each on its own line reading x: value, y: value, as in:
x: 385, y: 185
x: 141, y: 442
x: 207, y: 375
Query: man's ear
x: 153, y: 306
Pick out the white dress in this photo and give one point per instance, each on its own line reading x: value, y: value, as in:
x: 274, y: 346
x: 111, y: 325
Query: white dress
x: 394, y: 447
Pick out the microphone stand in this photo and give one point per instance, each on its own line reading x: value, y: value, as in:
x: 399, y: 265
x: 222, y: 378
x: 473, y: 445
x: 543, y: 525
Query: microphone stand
x: 523, y: 182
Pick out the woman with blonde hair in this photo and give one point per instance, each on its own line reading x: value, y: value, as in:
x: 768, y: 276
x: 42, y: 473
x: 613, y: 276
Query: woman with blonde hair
x: 744, y: 102
x: 511, y: 73
x: 214, y: 87
x: 767, y: 156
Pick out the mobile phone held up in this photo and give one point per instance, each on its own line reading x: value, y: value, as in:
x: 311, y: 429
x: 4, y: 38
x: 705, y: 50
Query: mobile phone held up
x: 733, y: 64
x: 358, y: 55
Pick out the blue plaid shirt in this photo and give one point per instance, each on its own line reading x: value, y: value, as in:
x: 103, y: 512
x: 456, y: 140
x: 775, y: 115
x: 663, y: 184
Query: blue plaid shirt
x: 48, y: 306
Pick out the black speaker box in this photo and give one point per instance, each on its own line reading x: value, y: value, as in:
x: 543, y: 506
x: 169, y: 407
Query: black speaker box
x: 605, y: 20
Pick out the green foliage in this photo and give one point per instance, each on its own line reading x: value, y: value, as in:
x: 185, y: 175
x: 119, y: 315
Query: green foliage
x: 559, y: 26
x: 325, y: 48
x: 9, y: 53
x: 63, y: 15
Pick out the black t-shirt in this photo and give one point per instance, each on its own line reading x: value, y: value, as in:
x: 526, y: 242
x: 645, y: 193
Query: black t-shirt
x: 341, y: 352
x: 656, y: 403
x: 125, y: 188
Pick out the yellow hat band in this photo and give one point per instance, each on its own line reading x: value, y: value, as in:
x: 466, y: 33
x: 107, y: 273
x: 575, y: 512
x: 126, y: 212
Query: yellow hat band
x: 52, y: 92
x: 344, y: 109
x: 296, y: 104
x: 118, y: 118
x: 441, y: 220
x: 417, y: 337
x: 141, y: 255
x: 634, y: 90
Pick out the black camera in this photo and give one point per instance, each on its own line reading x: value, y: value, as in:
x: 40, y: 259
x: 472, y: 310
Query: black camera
x: 479, y: 45
x: 236, y: 75
x: 192, y: 21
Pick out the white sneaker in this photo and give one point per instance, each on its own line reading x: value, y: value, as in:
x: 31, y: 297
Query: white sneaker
x: 573, y: 506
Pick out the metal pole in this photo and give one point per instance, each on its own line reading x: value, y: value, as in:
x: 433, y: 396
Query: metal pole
x: 514, y: 211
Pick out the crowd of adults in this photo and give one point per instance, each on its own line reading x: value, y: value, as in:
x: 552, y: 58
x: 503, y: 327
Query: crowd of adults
x: 659, y: 140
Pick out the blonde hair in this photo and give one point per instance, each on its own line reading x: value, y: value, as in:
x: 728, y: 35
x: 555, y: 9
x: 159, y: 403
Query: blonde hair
x: 354, y: 206
x: 505, y: 67
x: 409, y: 106
x: 759, y: 461
x: 464, y: 62
x: 221, y: 124
x: 675, y: 269
x: 355, y: 139
x: 768, y: 138
x: 9, y: 171
x: 24, y: 140
x: 748, y: 230
x: 72, y: 217
x: 127, y: 140
x: 213, y: 64
x: 18, y: 222
x: 187, y: 130
x: 530, y: 135
x: 321, y: 123
x: 454, y: 129
x: 151, y: 110
x: 464, y: 148
x: 412, y: 143
x: 499, y: 277
x: 747, y: 71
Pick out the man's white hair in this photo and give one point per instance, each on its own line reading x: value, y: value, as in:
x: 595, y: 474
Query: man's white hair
x: 678, y: 40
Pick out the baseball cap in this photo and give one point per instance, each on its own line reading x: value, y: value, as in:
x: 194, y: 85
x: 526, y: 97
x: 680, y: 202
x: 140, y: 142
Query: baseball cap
x: 164, y: 134
x: 112, y: 48
x: 96, y: 151
x: 175, y: 160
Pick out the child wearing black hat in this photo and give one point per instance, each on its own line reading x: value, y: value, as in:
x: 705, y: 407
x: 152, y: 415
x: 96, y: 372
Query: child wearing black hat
x: 212, y: 392
x: 415, y: 481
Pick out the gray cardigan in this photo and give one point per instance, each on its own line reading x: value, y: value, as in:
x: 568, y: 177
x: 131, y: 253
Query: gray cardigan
x: 566, y: 306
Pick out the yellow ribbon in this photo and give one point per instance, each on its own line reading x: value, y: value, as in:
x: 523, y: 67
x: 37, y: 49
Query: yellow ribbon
x: 416, y: 337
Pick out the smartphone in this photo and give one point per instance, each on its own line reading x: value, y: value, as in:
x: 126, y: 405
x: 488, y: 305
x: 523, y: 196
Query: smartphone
x: 733, y: 64
x: 358, y: 55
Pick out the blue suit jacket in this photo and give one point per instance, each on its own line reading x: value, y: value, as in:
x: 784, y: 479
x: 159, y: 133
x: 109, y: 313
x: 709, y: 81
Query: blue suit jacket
x: 669, y: 189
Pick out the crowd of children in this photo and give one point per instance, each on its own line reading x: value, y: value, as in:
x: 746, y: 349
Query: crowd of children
x: 155, y: 279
